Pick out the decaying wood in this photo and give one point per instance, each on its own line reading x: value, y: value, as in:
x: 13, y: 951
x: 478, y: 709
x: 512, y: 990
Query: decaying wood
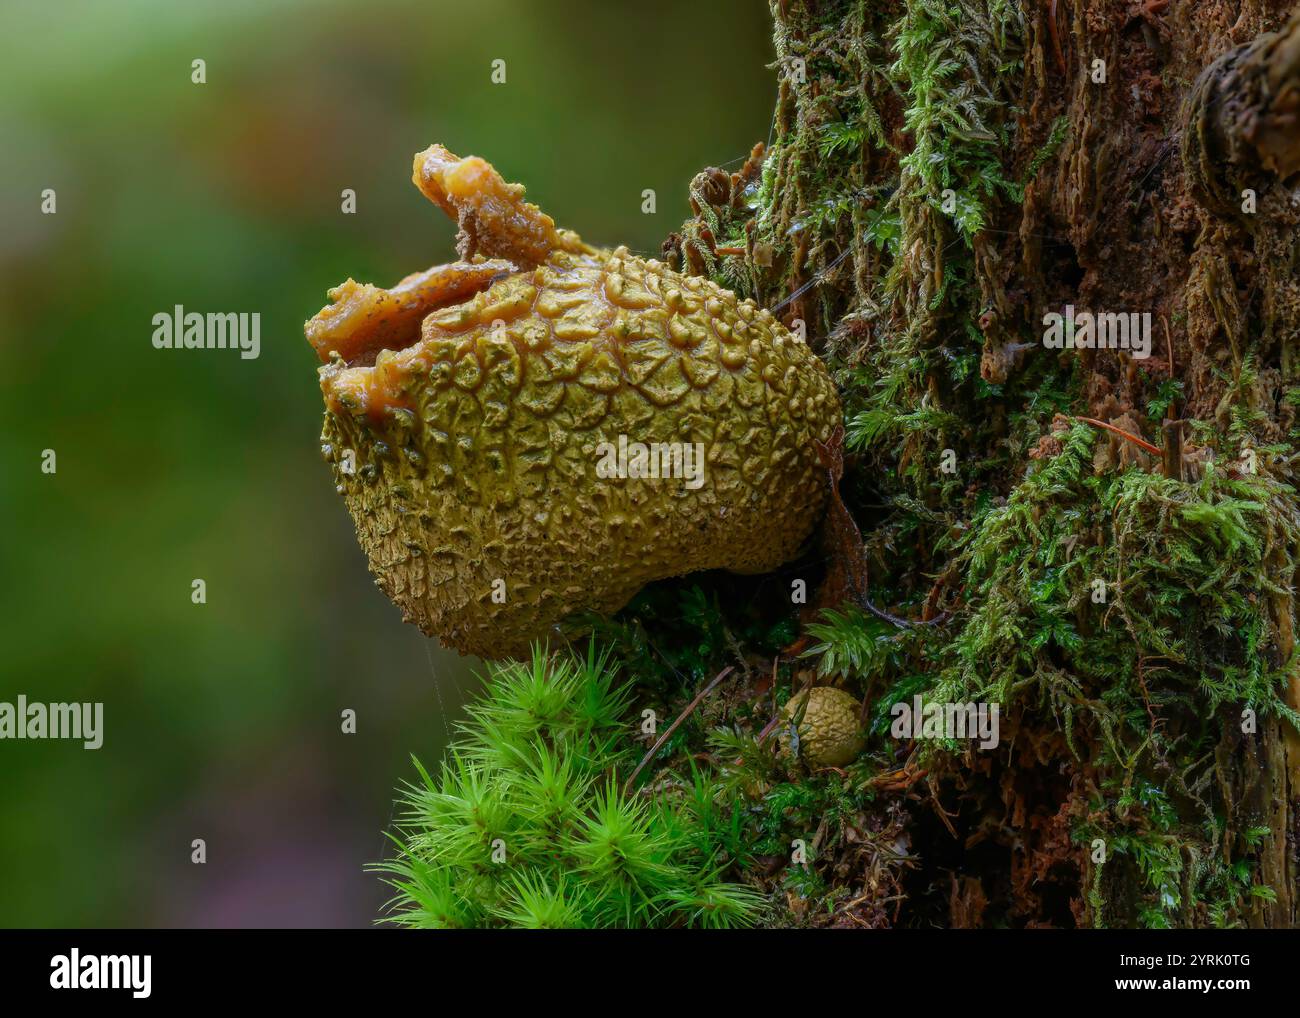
x: 1243, y: 118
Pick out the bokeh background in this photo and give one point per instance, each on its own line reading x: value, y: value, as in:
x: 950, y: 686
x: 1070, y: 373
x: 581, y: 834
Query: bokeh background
x: 222, y: 721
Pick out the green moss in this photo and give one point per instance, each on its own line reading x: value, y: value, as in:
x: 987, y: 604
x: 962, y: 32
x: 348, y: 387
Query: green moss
x: 1124, y: 624
x: 954, y: 65
x: 527, y: 824
x: 1187, y: 572
x: 1144, y: 685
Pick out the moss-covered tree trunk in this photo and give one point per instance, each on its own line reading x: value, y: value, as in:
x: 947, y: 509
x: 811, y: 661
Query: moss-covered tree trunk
x: 943, y: 176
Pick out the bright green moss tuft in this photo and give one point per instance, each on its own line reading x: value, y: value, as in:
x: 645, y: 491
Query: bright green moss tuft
x: 527, y: 824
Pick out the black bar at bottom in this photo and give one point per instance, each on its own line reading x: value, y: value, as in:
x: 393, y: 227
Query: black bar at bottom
x: 480, y: 972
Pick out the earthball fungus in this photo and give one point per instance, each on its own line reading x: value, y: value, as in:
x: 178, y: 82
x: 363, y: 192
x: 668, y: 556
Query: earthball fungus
x: 830, y: 733
x: 542, y: 427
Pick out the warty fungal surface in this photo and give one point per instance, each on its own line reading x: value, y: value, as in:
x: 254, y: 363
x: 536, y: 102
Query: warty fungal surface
x: 468, y: 410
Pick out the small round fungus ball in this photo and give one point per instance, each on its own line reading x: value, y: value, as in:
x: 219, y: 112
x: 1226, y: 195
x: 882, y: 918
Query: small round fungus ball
x: 829, y: 734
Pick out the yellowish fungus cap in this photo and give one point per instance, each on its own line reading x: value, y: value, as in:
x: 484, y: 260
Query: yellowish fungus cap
x: 484, y: 420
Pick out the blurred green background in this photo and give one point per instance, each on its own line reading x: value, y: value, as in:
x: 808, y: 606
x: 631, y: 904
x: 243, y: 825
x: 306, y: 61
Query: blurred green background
x: 222, y: 721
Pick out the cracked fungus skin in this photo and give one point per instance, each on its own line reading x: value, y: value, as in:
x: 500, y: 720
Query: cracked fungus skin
x: 472, y: 401
x: 829, y: 733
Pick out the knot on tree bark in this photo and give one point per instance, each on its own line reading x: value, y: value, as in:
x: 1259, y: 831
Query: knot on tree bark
x: 1242, y: 119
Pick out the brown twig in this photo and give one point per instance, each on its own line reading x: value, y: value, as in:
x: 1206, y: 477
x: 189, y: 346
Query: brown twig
x: 1173, y: 465
x: 1154, y: 450
x: 769, y: 728
x: 659, y: 742
x: 1056, y: 38
x: 897, y: 781
x: 1169, y: 343
x: 1146, y: 694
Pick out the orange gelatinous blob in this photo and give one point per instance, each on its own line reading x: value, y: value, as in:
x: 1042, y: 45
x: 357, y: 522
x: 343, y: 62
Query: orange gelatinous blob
x: 493, y: 217
x: 365, y: 319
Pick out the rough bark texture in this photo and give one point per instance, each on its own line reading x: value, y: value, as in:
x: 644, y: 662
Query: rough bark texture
x: 939, y: 177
